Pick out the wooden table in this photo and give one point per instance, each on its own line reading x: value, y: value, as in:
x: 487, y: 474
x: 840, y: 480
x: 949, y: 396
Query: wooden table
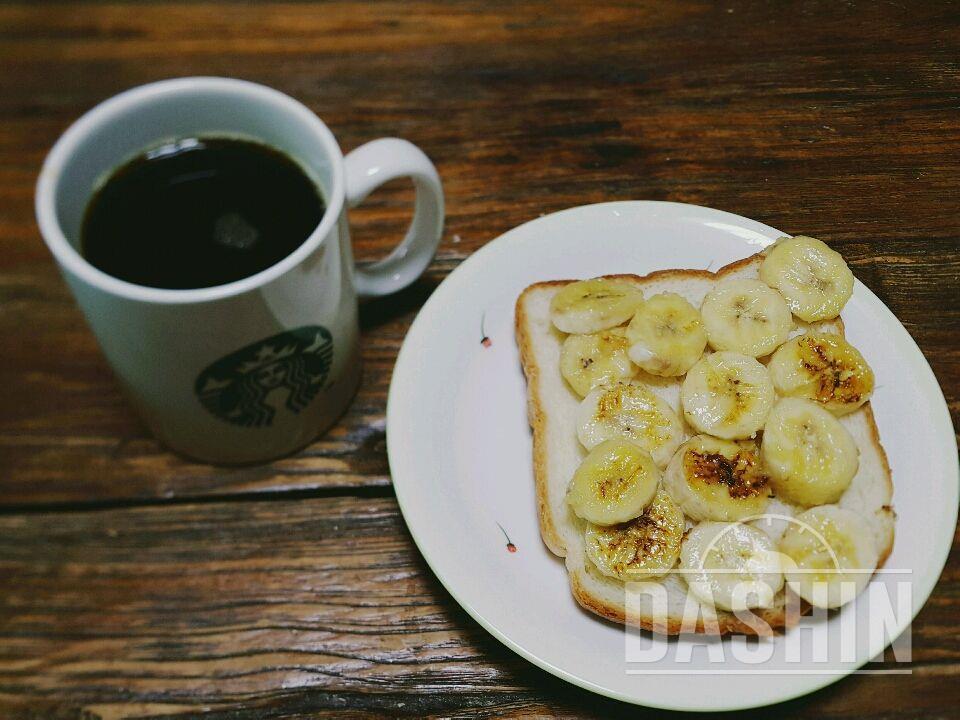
x: 133, y: 582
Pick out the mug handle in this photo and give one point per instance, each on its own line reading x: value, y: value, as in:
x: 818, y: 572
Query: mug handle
x: 368, y: 167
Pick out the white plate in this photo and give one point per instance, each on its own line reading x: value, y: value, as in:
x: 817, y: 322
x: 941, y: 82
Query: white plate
x: 460, y: 452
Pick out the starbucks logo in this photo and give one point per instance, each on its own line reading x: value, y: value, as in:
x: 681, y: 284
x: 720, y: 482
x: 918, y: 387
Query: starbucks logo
x: 248, y: 387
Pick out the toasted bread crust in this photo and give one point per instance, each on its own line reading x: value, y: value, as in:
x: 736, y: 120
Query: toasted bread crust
x: 726, y: 623
x: 538, y: 422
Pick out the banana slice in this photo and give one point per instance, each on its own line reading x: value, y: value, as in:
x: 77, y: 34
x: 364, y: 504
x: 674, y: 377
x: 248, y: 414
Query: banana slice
x: 596, y: 359
x: 589, y: 306
x: 731, y: 566
x: 814, y: 279
x: 826, y: 544
x: 713, y: 479
x: 747, y: 317
x: 666, y: 335
x: 615, y: 482
x: 632, y: 411
x: 822, y: 367
x: 810, y: 457
x: 727, y: 395
x: 642, y: 549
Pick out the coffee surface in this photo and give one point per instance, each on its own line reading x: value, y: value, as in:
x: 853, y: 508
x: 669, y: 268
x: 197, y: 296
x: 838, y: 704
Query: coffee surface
x: 200, y: 212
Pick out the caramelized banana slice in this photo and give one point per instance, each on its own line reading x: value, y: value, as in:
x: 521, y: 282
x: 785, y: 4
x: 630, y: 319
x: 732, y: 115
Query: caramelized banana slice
x: 666, y: 335
x: 727, y: 395
x: 809, y: 455
x: 589, y: 306
x: 597, y: 359
x: 825, y: 368
x: 814, y: 280
x: 642, y: 549
x: 825, y: 544
x: 615, y: 482
x: 731, y: 566
x: 747, y: 317
x: 630, y: 410
x: 712, y: 479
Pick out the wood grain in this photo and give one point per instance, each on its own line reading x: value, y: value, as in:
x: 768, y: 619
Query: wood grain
x: 526, y: 109
x: 133, y: 582
x: 255, y: 608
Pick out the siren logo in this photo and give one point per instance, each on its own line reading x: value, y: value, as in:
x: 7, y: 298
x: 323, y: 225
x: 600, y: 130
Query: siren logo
x: 249, y: 386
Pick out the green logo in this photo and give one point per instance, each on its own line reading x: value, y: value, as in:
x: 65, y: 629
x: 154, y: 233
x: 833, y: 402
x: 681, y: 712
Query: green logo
x: 249, y: 386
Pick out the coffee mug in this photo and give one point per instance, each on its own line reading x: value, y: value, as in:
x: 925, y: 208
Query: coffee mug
x: 256, y: 368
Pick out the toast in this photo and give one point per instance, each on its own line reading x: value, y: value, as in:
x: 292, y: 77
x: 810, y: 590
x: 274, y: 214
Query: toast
x: 552, y: 409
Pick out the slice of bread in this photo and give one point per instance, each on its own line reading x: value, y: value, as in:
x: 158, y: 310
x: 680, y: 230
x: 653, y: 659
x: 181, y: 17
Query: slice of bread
x: 557, y: 453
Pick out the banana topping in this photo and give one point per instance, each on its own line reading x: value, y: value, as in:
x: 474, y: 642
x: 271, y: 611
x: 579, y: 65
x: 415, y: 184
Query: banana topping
x: 596, y: 359
x: 641, y: 549
x: 615, y: 482
x: 588, y: 306
x: 810, y: 457
x: 666, y: 335
x: 814, y: 279
x: 746, y: 316
x: 632, y: 411
x: 825, y: 368
x: 731, y: 566
x: 832, y: 555
x: 727, y: 395
x: 769, y: 445
x: 712, y: 479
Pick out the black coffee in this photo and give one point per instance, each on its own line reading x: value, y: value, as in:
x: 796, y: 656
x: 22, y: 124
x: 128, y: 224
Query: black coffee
x: 200, y: 212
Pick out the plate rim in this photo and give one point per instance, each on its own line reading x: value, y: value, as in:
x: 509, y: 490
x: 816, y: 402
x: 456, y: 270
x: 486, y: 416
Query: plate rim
x: 396, y: 381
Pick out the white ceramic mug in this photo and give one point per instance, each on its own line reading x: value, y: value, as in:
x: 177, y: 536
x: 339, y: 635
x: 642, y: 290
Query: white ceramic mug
x: 256, y: 368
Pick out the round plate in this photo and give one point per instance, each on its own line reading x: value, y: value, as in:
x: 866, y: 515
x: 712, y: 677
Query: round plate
x: 460, y: 456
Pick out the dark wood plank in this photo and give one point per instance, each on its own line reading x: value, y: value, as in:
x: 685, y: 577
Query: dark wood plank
x: 838, y: 120
x: 68, y: 434
x: 274, y: 609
